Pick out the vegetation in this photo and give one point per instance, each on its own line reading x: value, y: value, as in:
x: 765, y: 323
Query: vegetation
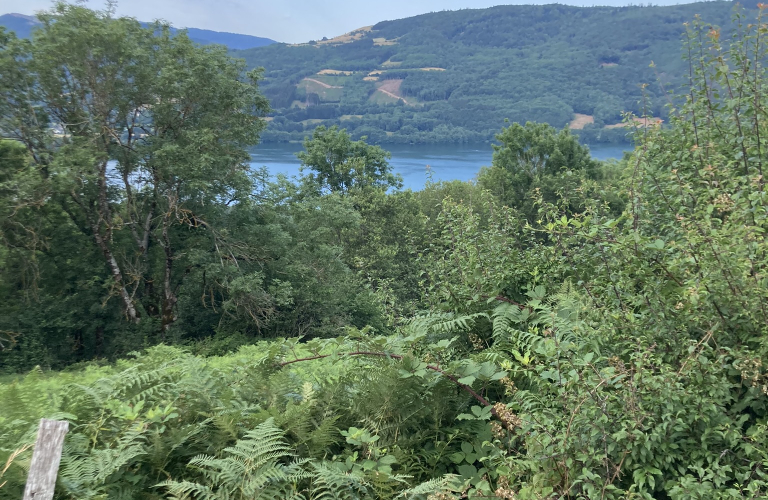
x: 562, y: 328
x: 456, y: 76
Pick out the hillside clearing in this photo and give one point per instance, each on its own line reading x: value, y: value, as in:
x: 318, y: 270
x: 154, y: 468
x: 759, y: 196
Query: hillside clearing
x: 383, y: 97
x: 384, y: 41
x: 326, y: 92
x: 390, y: 63
x: 391, y: 88
x: 323, y: 84
x: 580, y: 121
x: 347, y: 37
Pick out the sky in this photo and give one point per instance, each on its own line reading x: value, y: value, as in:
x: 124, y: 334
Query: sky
x: 289, y: 21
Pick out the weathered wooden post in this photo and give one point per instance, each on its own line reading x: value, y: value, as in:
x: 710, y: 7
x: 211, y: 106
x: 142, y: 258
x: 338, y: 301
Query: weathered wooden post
x: 46, y: 456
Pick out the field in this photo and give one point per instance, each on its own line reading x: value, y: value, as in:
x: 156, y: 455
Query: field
x: 326, y: 91
x: 579, y: 121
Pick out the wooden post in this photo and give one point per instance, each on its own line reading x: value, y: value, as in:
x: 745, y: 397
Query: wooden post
x: 44, y: 468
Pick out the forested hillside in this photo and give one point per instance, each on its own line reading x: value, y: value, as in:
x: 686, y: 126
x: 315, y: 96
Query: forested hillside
x: 562, y: 328
x: 456, y: 76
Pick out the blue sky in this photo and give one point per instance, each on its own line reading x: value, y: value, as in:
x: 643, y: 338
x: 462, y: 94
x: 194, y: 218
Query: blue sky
x: 289, y: 20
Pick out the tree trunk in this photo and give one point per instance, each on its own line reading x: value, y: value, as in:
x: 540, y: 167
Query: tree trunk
x: 169, y: 296
x: 117, y: 275
x: 99, y: 340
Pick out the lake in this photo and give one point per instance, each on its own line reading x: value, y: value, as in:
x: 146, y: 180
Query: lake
x: 444, y: 162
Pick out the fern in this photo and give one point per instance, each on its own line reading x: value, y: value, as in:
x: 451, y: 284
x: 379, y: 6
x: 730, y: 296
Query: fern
x: 447, y: 322
x: 333, y: 483
x: 253, y: 468
x: 87, y: 474
x: 445, y: 484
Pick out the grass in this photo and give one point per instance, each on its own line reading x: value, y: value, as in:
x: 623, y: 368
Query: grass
x: 384, y: 41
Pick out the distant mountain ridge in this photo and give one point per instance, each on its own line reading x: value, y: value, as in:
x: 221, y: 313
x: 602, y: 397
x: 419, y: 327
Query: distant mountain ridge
x: 233, y: 41
x: 19, y: 23
x: 24, y: 25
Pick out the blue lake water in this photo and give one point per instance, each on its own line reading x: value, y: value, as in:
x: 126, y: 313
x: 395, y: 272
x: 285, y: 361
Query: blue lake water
x: 415, y: 162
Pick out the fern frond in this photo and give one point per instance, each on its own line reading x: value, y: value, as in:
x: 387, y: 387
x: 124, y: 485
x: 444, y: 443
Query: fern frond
x: 332, y: 483
x: 85, y: 472
x: 187, y: 490
x: 253, y: 468
x: 445, y: 484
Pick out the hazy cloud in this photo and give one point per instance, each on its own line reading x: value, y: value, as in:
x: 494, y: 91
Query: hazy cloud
x: 285, y: 20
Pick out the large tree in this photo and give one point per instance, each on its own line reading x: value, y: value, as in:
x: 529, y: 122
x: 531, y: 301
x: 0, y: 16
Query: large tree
x: 535, y: 160
x: 133, y: 133
x: 339, y: 164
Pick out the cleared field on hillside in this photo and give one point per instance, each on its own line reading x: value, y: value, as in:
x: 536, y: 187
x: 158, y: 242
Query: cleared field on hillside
x: 580, y: 121
x: 324, y: 91
x: 347, y: 37
x: 391, y: 64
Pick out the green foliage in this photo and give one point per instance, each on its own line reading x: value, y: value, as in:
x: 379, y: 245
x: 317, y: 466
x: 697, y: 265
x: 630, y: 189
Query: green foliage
x: 340, y: 164
x: 249, y: 469
x: 535, y: 161
x: 209, y: 426
x: 600, y: 336
x: 131, y: 153
x: 135, y: 200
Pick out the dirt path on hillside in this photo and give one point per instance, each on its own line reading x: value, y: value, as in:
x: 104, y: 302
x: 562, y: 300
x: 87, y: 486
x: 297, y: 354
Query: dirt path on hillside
x: 390, y: 94
x: 323, y: 84
x: 392, y: 89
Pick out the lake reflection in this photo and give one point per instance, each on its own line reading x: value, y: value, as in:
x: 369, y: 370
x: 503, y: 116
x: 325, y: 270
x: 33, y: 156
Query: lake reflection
x: 415, y: 162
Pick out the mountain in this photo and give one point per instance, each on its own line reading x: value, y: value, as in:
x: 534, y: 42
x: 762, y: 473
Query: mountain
x: 457, y: 75
x: 231, y: 40
x: 23, y: 26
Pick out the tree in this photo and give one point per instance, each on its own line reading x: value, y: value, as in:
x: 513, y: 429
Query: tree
x: 535, y: 158
x: 340, y: 164
x: 133, y: 133
x: 537, y: 149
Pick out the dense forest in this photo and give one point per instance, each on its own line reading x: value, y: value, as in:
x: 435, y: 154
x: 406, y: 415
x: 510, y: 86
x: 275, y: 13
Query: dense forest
x: 562, y: 328
x: 455, y: 76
